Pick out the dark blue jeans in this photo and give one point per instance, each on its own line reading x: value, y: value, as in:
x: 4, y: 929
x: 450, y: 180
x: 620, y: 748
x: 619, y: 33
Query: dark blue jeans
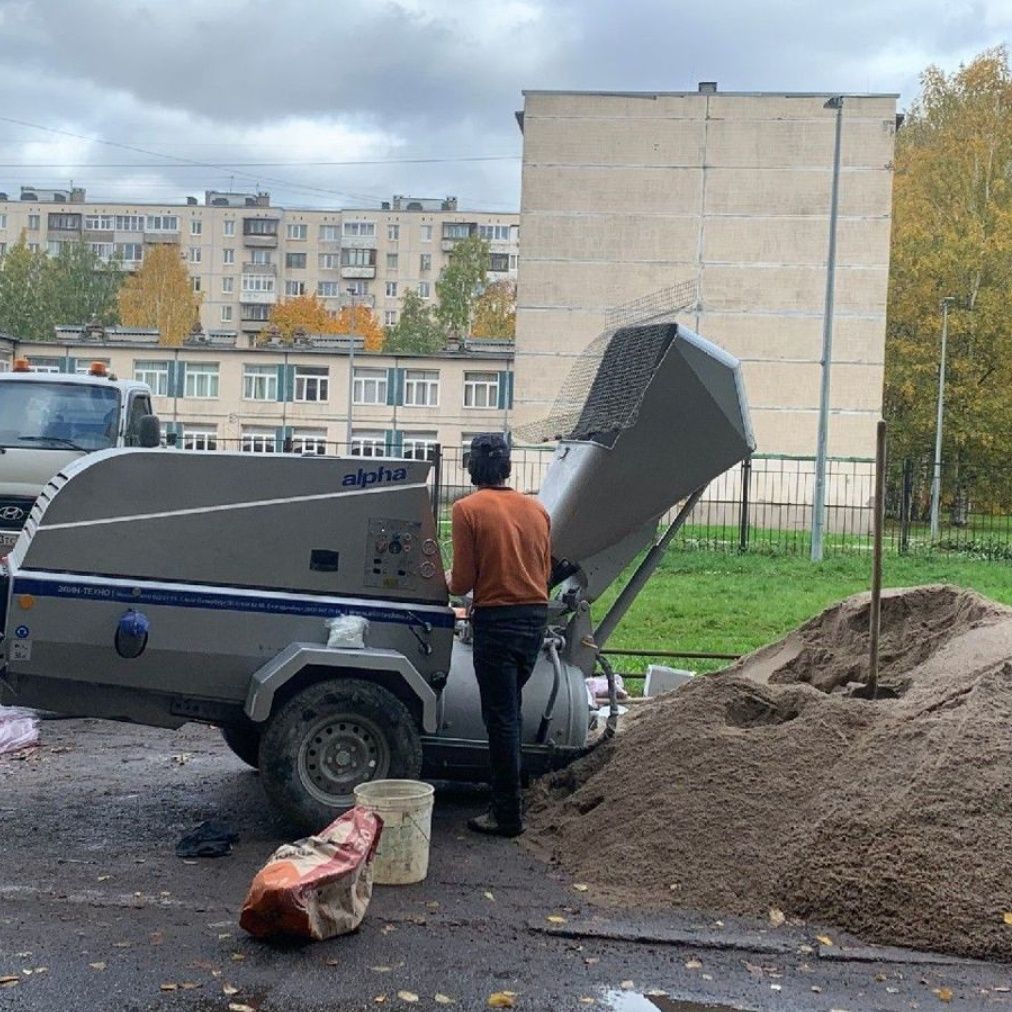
x: 507, y: 641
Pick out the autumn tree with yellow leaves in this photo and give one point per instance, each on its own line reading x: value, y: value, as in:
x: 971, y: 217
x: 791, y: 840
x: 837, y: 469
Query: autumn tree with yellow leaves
x: 952, y: 237
x: 160, y: 295
x: 309, y: 315
x: 495, y: 311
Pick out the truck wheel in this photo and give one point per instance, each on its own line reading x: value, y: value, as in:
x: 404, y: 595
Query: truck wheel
x: 244, y: 742
x: 328, y: 739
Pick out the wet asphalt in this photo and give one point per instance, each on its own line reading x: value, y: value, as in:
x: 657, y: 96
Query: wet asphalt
x: 97, y: 913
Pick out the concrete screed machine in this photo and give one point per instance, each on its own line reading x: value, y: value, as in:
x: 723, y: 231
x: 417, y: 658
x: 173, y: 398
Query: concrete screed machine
x: 162, y: 587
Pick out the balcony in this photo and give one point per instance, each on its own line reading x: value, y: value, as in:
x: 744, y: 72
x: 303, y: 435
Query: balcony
x: 160, y: 236
x: 252, y: 268
x: 447, y: 245
x: 358, y: 272
x: 359, y: 242
x: 260, y: 241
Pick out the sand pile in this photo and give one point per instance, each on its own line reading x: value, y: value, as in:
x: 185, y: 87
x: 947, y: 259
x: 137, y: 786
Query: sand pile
x: 762, y: 787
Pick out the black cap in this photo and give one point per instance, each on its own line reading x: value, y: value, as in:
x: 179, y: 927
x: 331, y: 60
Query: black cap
x: 491, y: 444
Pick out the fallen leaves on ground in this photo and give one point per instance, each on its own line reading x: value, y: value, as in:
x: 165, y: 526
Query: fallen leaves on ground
x: 943, y: 993
x: 777, y: 917
x: 167, y: 987
x: 693, y: 964
x: 489, y: 896
x: 555, y: 919
x: 580, y: 887
x: 443, y: 999
x: 656, y: 992
x: 502, y: 999
x: 97, y: 966
x: 1007, y: 917
x: 824, y: 939
x: 229, y: 989
x: 627, y: 985
x: 588, y: 1001
x: 380, y: 969
x: 238, y: 1006
x: 409, y: 996
x: 9, y: 981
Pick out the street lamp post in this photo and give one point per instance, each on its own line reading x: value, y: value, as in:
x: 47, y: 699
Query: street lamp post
x: 351, y: 370
x: 819, y: 504
x: 936, y: 481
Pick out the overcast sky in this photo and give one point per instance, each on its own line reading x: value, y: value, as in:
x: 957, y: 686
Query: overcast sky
x: 228, y: 82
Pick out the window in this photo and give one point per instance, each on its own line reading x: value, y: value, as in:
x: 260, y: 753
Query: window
x: 456, y: 229
x: 295, y: 260
x: 513, y: 261
x: 259, y: 383
x: 368, y: 444
x: 99, y: 222
x: 328, y: 289
x: 195, y: 283
x: 3, y: 220
x: 311, y: 383
x: 45, y: 364
x: 260, y: 226
x: 261, y: 257
x: 425, y: 262
x: 228, y: 226
x: 494, y: 233
x: 360, y: 228
x: 498, y: 262
x: 161, y: 223
x: 358, y: 289
x: 296, y: 231
x: 130, y: 252
x: 330, y: 233
x: 330, y: 261
x: 228, y: 255
x: 258, y: 283
x: 391, y: 289
x: 421, y: 388
x: 426, y: 233
x: 82, y: 368
x: 64, y: 222
x: 393, y: 232
x: 309, y: 441
x: 196, y: 226
x: 226, y: 314
x: 481, y: 389
x: 33, y: 222
x: 200, y: 439
x: 354, y: 257
x: 53, y: 247
x: 227, y: 286
x: 3, y: 248
x: 391, y: 261
x: 194, y: 254
x: 390, y: 318
x: 424, y: 289
x: 295, y: 288
x: 370, y: 386
x: 419, y: 445
x: 129, y: 223
x: 33, y: 247
x: 257, y: 311
x: 201, y: 380
x: 258, y: 441
x: 103, y: 250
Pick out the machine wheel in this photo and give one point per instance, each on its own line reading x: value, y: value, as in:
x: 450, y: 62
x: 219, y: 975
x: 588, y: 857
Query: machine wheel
x: 328, y: 739
x: 244, y: 741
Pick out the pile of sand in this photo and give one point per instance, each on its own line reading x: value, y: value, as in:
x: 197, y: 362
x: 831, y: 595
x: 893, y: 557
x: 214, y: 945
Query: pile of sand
x: 768, y: 785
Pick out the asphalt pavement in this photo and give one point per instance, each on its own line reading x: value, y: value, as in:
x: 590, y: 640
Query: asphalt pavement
x: 97, y: 913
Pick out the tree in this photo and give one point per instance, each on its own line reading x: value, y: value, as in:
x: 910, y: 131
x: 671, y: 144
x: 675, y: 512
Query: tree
x: 495, y: 311
x: 22, y: 294
x: 305, y: 312
x: 460, y: 283
x: 952, y: 236
x: 160, y: 295
x: 361, y: 321
x: 79, y: 287
x: 416, y: 330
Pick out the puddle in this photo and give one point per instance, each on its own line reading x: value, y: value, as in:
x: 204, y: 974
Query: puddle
x: 634, y: 1001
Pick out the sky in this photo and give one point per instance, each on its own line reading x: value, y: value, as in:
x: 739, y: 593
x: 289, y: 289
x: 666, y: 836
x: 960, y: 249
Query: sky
x: 330, y: 103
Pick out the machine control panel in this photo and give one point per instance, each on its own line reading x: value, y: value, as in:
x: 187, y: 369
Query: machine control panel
x: 396, y: 558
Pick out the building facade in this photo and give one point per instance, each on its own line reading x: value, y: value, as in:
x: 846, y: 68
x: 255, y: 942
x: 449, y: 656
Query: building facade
x: 628, y: 194
x: 244, y: 255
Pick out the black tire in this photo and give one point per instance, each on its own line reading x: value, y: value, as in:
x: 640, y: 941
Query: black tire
x: 328, y: 739
x: 244, y: 742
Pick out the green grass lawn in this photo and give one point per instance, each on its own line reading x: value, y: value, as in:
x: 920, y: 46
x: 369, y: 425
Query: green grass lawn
x: 726, y: 603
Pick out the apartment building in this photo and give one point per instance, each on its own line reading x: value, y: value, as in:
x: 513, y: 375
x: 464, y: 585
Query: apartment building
x: 244, y: 255
x: 213, y: 394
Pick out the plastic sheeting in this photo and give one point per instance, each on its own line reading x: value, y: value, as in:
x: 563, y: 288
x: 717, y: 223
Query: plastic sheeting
x: 19, y: 728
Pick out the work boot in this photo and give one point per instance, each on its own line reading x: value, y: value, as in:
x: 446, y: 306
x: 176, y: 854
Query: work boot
x: 491, y: 826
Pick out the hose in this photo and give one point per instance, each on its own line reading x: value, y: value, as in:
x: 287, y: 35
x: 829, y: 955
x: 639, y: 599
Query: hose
x: 553, y: 643
x: 611, y: 725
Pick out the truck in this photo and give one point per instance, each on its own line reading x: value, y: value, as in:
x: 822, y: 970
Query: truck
x: 166, y: 588
x: 48, y: 420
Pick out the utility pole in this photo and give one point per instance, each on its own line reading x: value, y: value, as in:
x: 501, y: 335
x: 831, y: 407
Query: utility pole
x: 936, y: 481
x: 351, y: 368
x: 819, y: 505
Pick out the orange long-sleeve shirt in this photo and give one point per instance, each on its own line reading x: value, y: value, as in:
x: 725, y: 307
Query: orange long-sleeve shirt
x: 501, y: 548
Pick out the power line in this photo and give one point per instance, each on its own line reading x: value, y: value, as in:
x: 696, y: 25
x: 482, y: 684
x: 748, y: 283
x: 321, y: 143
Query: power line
x: 258, y: 165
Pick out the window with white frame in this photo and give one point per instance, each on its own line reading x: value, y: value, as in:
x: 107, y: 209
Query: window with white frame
x: 226, y: 314
x: 3, y: 220
x: 419, y: 445
x: 262, y: 257
x: 45, y: 364
x: 391, y: 289
x: 154, y: 372
x: 513, y: 261
x: 328, y: 289
x: 312, y: 383
x: 130, y: 252
x: 83, y: 368
x: 330, y: 261
x: 309, y: 441
x: 424, y: 290
x: 195, y: 283
x: 456, y: 229
x: 296, y: 231
x: 368, y: 444
x: 256, y: 440
x: 33, y: 222
x: 369, y: 386
x: 498, y: 262
x: 426, y: 233
x: 33, y: 247
x: 129, y: 223
x: 421, y: 388
x: 195, y: 254
x: 360, y: 228
x: 228, y: 255
x: 425, y: 261
x: 200, y: 439
x: 393, y: 232
x: 295, y: 288
x: 494, y: 233
x: 103, y: 250
x: 481, y: 390
x: 161, y: 223
x: 260, y: 226
x: 330, y: 233
x: 196, y: 226
x: 227, y: 286
x: 53, y: 247
x: 259, y: 383
x: 258, y: 283
x: 358, y: 289
x: 98, y: 222
x: 355, y: 256
x: 392, y: 261
x: 201, y: 380
x: 228, y: 226
x: 295, y: 260
x: 64, y: 222
x: 390, y: 318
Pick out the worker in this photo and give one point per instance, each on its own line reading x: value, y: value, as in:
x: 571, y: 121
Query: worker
x: 502, y: 557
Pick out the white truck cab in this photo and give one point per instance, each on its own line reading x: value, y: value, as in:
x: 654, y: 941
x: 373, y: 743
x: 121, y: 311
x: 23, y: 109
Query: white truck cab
x: 50, y: 419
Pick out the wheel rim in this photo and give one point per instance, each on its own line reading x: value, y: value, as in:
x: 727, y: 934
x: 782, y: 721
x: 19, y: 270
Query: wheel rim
x: 339, y: 752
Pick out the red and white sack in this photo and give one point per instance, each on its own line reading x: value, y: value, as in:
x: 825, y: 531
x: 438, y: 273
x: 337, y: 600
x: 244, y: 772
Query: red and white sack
x: 317, y: 887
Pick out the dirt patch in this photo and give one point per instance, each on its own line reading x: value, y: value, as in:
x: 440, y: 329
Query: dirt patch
x: 767, y: 785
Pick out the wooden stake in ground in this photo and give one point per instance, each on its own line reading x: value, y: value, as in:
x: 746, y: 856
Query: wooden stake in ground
x: 878, y: 520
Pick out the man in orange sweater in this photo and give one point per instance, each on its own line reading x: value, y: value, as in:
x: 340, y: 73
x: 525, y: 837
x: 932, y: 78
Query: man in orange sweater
x: 502, y: 555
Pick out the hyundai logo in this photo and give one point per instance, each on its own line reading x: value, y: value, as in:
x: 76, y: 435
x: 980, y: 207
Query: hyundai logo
x: 12, y: 513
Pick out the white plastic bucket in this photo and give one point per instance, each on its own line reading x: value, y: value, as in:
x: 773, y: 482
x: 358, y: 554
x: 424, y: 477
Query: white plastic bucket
x: 405, y: 806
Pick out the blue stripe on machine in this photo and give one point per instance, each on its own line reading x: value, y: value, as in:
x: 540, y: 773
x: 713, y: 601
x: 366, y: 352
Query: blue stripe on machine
x: 274, y: 604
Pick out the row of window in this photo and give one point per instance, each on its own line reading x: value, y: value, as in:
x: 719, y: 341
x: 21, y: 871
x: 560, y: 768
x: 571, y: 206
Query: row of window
x: 364, y: 443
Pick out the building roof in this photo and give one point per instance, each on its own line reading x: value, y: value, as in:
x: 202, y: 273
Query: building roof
x: 707, y: 94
